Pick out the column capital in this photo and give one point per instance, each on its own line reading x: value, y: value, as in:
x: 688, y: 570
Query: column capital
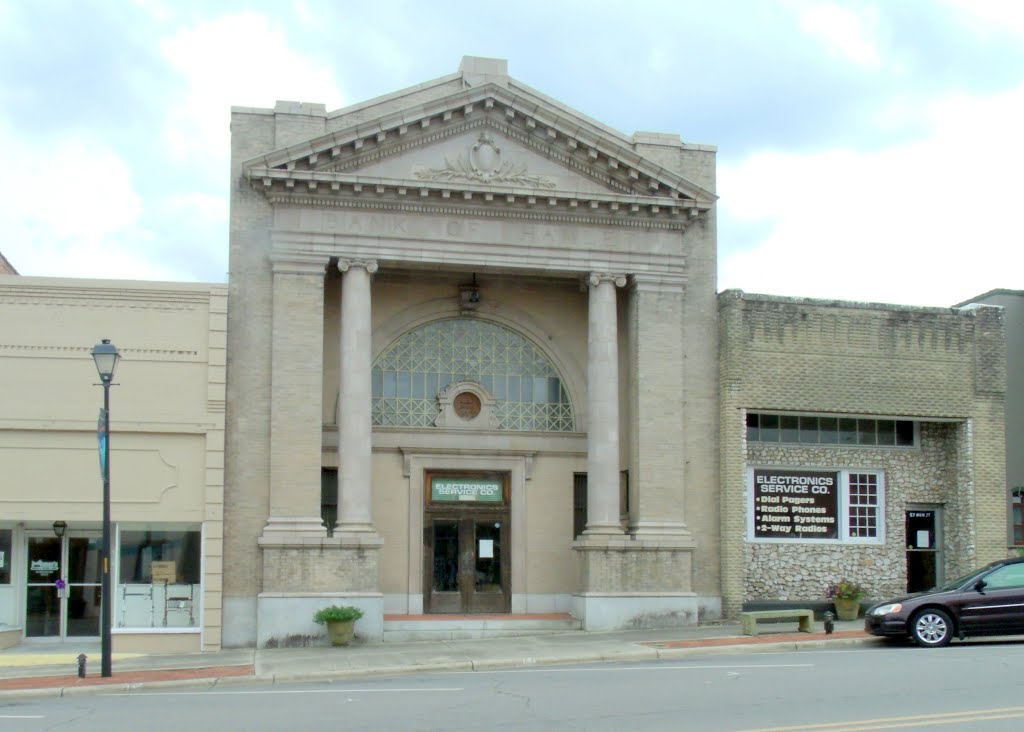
x: 370, y: 265
x: 596, y: 278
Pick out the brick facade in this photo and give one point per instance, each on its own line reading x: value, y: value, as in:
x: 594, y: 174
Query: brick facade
x: 945, y: 369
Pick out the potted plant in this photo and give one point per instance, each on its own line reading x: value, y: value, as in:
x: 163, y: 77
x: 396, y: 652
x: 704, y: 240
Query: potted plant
x: 340, y: 621
x: 845, y: 595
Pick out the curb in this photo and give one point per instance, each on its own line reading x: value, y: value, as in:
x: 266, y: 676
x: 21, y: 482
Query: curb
x: 634, y: 655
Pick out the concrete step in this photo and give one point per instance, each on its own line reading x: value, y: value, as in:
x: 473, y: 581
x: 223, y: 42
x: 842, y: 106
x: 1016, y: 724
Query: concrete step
x: 399, y: 628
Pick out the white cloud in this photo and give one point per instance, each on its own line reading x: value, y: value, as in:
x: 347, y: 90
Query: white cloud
x: 72, y: 211
x: 927, y: 223
x: 1006, y: 15
x: 235, y: 60
x: 843, y: 31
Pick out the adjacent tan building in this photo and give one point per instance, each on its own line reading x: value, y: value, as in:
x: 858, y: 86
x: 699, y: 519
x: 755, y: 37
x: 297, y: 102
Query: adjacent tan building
x: 167, y: 455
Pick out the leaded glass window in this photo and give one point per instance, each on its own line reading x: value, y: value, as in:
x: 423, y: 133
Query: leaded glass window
x: 412, y: 371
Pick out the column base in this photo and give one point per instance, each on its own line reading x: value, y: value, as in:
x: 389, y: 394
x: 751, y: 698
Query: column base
x: 299, y: 529
x: 634, y: 610
x: 611, y: 529
x: 285, y: 619
x: 633, y: 566
x: 330, y: 565
x: 671, y: 531
x: 343, y: 527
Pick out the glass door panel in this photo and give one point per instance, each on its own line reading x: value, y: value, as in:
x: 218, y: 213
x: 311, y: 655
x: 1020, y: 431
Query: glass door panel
x: 442, y: 552
x: 84, y: 578
x: 487, y: 577
x: 923, y: 526
x: 64, y: 586
x: 489, y: 582
x: 446, y: 556
x: 42, y: 612
x: 42, y: 597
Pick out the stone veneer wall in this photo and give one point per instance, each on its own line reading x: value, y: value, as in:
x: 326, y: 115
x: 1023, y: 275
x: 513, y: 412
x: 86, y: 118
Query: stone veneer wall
x: 931, y: 473
x: 942, y: 367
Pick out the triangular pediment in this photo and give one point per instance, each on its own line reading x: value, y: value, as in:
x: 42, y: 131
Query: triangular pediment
x: 481, y: 145
x: 487, y: 155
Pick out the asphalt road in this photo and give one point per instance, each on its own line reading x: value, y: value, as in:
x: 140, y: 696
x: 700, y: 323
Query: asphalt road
x: 972, y: 686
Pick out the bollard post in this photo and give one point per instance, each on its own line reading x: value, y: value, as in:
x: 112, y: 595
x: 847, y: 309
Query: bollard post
x: 830, y: 624
x: 82, y: 658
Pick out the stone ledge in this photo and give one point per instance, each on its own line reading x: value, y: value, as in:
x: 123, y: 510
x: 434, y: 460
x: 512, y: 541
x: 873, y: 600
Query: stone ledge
x: 10, y: 636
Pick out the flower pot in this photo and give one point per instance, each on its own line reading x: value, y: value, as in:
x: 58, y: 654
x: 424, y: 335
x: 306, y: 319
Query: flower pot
x: 340, y: 631
x: 846, y: 609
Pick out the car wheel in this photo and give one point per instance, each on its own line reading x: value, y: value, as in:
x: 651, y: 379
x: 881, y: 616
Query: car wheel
x: 931, y: 628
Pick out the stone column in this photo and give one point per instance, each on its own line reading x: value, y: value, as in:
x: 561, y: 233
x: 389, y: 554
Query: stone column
x: 603, y: 407
x: 355, y: 416
x: 296, y: 398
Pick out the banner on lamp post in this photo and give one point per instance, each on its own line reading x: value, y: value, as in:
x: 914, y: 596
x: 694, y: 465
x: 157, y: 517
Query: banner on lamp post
x: 101, y: 438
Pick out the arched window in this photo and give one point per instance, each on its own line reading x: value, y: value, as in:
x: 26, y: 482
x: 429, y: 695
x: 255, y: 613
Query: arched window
x: 410, y: 373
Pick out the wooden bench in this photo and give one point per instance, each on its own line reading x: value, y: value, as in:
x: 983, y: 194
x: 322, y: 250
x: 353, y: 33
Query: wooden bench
x: 748, y: 620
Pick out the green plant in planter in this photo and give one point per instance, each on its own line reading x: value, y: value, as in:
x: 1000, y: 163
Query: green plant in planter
x: 337, y: 614
x: 845, y: 590
x: 845, y: 595
x: 340, y: 621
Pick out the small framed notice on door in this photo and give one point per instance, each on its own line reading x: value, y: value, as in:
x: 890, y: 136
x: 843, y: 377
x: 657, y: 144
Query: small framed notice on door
x: 486, y: 549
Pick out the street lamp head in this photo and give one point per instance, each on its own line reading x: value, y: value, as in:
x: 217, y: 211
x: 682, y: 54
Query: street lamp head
x: 106, y: 356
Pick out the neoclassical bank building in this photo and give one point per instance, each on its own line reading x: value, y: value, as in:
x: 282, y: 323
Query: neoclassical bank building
x: 468, y: 327
x: 478, y: 366
x: 471, y: 374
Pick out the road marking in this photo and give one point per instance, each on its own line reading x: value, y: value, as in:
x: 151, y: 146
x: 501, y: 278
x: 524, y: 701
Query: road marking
x: 918, y: 720
x: 563, y: 670
x: 21, y: 716
x: 275, y: 691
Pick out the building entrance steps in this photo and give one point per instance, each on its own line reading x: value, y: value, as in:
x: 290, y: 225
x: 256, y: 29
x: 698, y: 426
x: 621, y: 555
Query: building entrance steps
x: 401, y: 628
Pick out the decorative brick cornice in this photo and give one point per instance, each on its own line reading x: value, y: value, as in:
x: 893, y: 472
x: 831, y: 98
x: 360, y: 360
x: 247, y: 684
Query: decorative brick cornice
x: 132, y: 354
x: 613, y: 215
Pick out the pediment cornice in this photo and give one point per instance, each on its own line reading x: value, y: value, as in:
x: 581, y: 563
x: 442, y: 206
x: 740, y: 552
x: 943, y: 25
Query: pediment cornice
x: 326, y: 170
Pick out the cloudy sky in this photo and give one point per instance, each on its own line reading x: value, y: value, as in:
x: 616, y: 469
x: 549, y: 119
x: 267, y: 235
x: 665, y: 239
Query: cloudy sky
x: 867, y: 150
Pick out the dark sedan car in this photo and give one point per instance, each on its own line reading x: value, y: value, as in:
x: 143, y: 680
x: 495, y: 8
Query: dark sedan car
x: 988, y: 601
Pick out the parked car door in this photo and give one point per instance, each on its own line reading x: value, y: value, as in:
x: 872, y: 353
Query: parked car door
x: 996, y: 604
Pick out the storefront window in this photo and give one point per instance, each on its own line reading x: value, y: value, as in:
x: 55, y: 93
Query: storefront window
x: 804, y: 505
x: 5, y: 556
x: 1018, y: 516
x: 809, y: 430
x: 159, y: 575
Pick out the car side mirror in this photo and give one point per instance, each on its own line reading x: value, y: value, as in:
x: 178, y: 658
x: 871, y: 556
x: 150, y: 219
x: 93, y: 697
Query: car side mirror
x: 980, y: 585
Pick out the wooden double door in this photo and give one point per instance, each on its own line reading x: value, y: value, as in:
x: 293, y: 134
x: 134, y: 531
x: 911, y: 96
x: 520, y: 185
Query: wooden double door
x: 466, y: 552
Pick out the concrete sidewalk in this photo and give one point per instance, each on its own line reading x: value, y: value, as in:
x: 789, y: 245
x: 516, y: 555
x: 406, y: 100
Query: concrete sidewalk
x: 29, y: 670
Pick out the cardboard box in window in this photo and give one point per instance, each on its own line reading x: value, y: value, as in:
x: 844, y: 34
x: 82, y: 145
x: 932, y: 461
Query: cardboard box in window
x: 164, y: 572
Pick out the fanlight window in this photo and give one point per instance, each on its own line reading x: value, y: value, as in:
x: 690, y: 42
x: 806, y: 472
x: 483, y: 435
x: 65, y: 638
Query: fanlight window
x: 408, y: 376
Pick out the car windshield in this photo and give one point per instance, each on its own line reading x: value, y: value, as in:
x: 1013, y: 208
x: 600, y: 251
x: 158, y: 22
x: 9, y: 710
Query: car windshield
x: 967, y: 578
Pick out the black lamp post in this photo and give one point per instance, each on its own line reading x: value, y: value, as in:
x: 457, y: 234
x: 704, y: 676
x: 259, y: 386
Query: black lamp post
x: 106, y: 357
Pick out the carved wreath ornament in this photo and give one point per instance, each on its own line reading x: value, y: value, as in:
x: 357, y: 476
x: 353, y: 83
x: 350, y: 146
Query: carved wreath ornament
x: 484, y: 165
